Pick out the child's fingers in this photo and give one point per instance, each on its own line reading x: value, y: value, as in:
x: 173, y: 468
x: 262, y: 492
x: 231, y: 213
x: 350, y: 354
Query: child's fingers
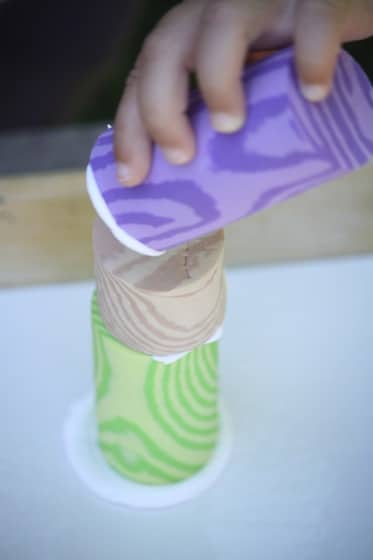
x: 317, y: 44
x: 163, y: 82
x: 358, y: 20
x: 228, y: 28
x: 132, y: 144
x: 221, y: 52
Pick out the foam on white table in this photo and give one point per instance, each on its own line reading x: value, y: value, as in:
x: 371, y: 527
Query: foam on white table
x: 80, y: 438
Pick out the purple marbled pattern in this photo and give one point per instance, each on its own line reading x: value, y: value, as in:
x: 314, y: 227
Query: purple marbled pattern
x: 286, y: 147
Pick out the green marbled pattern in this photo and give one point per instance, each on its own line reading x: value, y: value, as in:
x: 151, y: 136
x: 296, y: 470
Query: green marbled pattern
x: 157, y: 423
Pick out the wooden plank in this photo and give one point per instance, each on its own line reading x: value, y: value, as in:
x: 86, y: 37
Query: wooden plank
x: 334, y: 220
x: 45, y: 227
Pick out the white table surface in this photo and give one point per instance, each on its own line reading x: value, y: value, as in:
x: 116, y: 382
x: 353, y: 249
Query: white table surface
x: 297, y: 375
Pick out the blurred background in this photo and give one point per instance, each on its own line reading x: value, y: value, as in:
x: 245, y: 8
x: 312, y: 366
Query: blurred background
x: 64, y: 64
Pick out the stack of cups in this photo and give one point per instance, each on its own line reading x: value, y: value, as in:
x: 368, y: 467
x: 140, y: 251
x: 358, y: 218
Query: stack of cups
x: 156, y: 323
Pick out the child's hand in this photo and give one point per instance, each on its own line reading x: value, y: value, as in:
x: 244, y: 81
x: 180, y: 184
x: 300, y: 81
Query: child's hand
x: 212, y: 38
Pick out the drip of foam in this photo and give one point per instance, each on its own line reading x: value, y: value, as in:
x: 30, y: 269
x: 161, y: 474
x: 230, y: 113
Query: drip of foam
x: 174, y: 357
x: 106, y: 216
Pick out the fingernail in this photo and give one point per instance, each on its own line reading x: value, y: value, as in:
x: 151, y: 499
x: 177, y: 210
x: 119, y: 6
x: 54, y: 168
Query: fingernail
x: 176, y: 155
x: 123, y: 173
x: 314, y: 92
x: 224, y: 122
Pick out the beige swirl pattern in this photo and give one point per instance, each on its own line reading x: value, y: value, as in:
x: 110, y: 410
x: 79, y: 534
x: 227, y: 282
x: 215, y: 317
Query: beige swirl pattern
x: 160, y: 305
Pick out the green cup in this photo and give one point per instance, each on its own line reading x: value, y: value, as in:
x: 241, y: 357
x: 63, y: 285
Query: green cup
x: 157, y: 423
